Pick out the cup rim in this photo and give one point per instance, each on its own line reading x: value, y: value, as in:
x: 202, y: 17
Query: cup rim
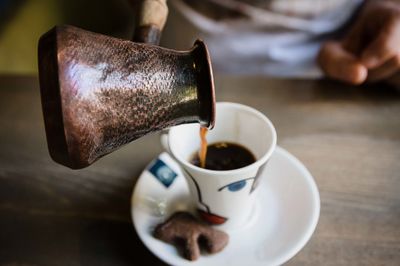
x: 256, y: 164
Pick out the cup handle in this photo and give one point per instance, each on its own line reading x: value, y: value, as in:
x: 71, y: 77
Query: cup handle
x: 164, y: 141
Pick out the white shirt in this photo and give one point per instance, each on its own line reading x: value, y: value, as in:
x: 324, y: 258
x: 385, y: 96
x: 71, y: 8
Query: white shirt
x: 280, y: 39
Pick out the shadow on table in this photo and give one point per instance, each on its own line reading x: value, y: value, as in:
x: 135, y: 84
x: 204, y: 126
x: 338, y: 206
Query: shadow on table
x: 335, y: 90
x: 113, y: 243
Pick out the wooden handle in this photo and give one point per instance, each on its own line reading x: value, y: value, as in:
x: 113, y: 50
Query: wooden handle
x: 152, y: 17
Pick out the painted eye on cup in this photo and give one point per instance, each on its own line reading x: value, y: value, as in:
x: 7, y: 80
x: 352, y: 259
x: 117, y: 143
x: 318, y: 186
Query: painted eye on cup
x: 236, y: 186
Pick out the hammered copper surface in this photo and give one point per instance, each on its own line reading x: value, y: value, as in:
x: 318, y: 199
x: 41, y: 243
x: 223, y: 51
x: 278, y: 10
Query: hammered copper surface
x: 109, y: 92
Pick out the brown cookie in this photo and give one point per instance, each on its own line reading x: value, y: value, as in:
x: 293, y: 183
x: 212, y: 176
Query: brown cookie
x: 183, y: 230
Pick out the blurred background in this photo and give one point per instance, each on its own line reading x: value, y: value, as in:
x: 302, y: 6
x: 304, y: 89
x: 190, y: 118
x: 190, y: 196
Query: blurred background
x: 242, y: 39
x: 22, y: 22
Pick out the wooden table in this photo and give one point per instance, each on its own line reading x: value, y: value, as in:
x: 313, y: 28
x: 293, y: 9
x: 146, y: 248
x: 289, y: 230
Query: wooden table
x: 349, y: 138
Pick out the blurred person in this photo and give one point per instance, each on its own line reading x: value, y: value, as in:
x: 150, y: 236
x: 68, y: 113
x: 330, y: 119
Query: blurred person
x: 354, y: 41
x: 370, y: 50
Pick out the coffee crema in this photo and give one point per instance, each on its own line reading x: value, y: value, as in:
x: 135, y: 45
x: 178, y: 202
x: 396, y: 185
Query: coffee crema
x: 222, y: 156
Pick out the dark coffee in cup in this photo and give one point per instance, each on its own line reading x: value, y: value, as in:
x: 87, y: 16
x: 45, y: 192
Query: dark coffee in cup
x: 222, y: 156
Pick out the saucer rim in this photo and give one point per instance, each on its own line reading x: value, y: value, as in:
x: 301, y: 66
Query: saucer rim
x: 286, y: 256
x: 316, y: 213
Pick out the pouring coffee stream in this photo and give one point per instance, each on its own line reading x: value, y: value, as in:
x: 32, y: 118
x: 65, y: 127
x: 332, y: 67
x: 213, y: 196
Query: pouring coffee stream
x: 99, y: 92
x: 203, y: 147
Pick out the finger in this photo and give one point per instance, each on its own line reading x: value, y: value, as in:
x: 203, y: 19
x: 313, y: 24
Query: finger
x: 352, y: 42
x: 386, y: 70
x: 385, y: 46
x: 339, y: 64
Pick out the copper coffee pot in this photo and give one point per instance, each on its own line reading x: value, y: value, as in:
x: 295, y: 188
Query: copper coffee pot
x: 99, y: 93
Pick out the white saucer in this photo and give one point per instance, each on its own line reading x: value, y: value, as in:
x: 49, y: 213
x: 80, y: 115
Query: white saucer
x: 284, y: 219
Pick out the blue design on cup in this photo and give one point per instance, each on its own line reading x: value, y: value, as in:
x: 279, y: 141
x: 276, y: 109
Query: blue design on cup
x: 163, y: 173
x: 237, y: 186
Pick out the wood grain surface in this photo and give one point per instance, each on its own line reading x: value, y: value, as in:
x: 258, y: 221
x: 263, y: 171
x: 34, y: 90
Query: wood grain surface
x: 349, y: 138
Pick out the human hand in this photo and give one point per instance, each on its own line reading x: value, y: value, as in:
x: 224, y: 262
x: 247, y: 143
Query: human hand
x: 371, y: 49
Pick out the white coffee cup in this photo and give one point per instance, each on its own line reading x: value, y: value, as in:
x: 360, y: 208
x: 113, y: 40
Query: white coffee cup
x: 225, y: 198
